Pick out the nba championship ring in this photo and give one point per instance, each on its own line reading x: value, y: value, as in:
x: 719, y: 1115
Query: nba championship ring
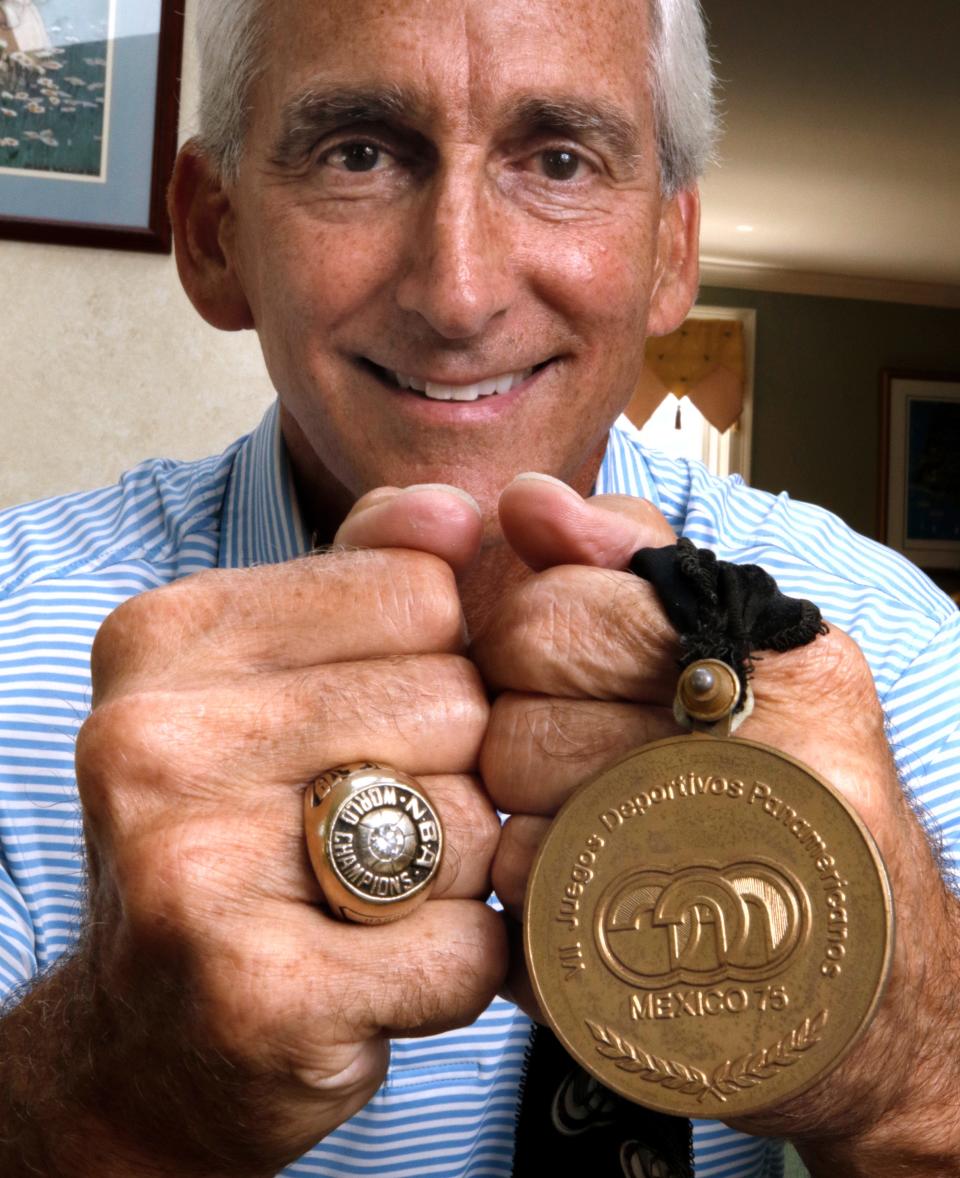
x: 708, y: 923
x: 375, y: 841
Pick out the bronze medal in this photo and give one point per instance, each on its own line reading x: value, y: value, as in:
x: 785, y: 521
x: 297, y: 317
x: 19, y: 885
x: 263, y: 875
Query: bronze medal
x: 708, y: 925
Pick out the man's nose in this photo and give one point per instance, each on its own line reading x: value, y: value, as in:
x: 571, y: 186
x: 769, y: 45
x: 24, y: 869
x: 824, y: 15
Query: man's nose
x: 458, y: 274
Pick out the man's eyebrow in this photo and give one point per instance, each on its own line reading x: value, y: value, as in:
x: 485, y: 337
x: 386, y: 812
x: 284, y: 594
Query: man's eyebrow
x: 321, y: 109
x: 587, y: 118
x: 316, y: 111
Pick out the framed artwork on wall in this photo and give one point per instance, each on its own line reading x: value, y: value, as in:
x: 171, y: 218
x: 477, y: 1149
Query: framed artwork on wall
x: 920, y: 467
x: 89, y: 95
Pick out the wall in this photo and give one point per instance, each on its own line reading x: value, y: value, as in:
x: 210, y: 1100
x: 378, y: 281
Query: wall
x: 816, y: 406
x: 103, y: 360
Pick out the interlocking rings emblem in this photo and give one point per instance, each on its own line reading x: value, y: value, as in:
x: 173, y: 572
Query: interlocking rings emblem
x: 701, y: 924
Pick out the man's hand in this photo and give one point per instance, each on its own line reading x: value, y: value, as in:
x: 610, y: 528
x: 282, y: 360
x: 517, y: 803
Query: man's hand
x: 229, y: 1022
x: 585, y: 663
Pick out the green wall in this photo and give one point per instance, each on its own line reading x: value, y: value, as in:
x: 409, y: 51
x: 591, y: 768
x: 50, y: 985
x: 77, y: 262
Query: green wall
x: 817, y: 389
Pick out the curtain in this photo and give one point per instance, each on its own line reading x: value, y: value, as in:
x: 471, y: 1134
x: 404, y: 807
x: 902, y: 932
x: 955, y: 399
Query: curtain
x: 704, y: 361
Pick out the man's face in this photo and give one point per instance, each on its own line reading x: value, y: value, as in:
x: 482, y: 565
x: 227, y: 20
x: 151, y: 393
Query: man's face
x: 449, y: 231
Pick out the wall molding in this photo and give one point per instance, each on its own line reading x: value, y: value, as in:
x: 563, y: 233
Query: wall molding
x: 748, y: 276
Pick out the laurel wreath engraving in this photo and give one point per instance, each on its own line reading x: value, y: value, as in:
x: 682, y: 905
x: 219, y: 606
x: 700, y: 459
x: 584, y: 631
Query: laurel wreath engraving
x: 671, y: 1073
x: 750, y: 1070
x: 728, y: 1077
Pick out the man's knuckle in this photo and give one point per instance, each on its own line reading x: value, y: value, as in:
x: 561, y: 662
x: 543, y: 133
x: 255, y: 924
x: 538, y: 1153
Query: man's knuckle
x: 146, y: 629
x: 401, y: 694
x: 136, y: 739
x: 114, y: 639
x: 419, y: 591
x: 826, y: 682
x: 543, y: 622
x: 249, y: 985
x: 519, y: 741
x: 511, y: 864
x: 575, y: 620
x: 177, y: 880
x: 108, y: 733
x: 459, y: 677
x: 473, y: 826
x: 836, y: 663
x: 413, y: 594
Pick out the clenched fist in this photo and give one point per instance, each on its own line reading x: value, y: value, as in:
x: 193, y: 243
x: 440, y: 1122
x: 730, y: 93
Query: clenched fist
x: 237, y: 1022
x: 583, y: 663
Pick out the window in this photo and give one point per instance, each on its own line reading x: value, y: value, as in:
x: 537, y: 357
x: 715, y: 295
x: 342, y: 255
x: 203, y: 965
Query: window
x: 695, y: 398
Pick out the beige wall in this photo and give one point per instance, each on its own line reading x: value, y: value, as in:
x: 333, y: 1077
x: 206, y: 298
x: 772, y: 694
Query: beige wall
x: 103, y: 362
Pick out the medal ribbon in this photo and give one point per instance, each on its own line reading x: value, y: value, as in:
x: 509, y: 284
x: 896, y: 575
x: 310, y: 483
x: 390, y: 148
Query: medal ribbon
x: 725, y: 611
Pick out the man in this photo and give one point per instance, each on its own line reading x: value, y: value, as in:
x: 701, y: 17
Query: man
x: 452, y: 224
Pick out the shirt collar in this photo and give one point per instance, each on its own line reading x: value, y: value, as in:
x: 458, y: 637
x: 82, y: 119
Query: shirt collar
x: 262, y: 523
x: 625, y: 469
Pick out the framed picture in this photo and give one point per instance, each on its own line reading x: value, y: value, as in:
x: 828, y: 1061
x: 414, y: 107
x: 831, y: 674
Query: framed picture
x: 89, y: 95
x: 920, y: 467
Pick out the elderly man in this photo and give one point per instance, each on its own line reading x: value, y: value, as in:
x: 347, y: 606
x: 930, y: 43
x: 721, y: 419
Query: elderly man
x: 452, y: 225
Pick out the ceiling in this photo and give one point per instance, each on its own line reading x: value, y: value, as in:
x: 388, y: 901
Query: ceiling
x: 841, y: 148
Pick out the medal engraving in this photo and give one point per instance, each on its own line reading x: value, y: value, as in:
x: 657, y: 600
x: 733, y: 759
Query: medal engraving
x: 708, y: 927
x: 702, y: 924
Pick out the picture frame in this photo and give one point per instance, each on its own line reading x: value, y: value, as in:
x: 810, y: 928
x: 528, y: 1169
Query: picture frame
x: 920, y: 466
x: 89, y: 98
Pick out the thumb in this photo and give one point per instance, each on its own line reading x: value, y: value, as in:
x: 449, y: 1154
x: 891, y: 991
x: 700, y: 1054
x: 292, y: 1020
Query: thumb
x: 431, y: 517
x: 548, y: 523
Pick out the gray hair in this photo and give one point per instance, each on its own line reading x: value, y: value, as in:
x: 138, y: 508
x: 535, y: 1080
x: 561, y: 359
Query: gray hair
x: 230, y: 33
x: 682, y: 87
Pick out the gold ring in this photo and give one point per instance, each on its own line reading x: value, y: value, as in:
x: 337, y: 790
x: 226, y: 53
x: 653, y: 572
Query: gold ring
x: 375, y: 841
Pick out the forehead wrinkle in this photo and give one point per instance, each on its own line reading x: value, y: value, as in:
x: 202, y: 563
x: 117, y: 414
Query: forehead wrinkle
x: 322, y: 107
x: 478, y: 71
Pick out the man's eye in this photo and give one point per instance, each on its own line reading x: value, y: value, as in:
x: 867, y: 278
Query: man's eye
x: 560, y: 164
x: 355, y: 157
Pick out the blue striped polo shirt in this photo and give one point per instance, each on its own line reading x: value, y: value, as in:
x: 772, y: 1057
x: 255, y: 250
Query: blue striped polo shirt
x: 447, y: 1107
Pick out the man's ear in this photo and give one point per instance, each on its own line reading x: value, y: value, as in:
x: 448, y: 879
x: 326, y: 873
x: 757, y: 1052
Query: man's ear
x: 678, y: 263
x: 203, y: 221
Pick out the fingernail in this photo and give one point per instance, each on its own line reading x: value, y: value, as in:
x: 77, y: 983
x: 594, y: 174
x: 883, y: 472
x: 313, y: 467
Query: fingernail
x: 540, y: 477
x: 371, y: 499
x: 448, y: 489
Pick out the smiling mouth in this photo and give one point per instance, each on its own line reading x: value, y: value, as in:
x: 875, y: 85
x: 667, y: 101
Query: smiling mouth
x: 435, y: 391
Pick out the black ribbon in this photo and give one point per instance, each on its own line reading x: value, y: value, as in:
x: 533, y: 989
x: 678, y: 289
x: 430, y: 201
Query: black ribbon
x: 568, y: 1122
x: 725, y: 611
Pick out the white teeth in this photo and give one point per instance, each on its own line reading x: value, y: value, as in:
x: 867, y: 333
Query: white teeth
x: 452, y: 392
x: 463, y: 392
x: 445, y: 392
